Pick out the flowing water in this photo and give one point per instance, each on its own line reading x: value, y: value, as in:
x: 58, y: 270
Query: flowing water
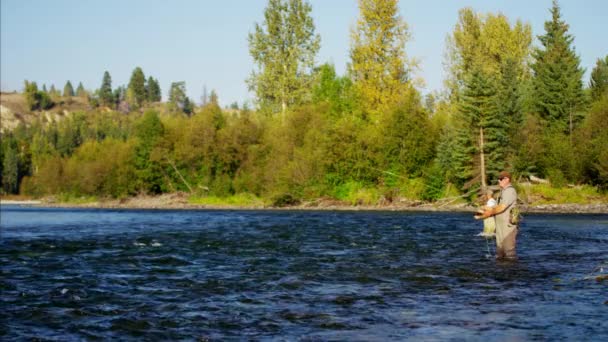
x: 81, y: 274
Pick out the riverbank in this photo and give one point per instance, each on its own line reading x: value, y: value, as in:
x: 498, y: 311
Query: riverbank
x: 181, y: 201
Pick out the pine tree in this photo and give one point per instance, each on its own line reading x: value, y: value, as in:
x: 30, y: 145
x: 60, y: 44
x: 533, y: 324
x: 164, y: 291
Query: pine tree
x: 599, y: 79
x: 509, y: 106
x: 136, y: 92
x: 283, y: 49
x: 53, y: 91
x: 481, y: 137
x: 177, y: 95
x: 80, y: 92
x: 105, y: 91
x: 558, y: 86
x: 68, y: 90
x: 188, y: 108
x: 378, y: 61
x: 153, y: 90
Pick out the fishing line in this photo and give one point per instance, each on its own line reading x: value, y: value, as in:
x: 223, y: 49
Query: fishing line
x: 488, y: 248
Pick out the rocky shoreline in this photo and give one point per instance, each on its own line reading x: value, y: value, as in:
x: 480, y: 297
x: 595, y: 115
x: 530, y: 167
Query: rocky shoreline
x: 180, y: 201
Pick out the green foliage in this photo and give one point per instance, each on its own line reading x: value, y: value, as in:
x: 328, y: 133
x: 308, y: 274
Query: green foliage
x: 408, y: 141
x: 36, y: 99
x: 434, y: 183
x: 479, y: 117
x: 10, y: 166
x: 283, y: 49
x: 153, y: 90
x: 364, y: 138
x: 68, y: 90
x: 105, y: 91
x: 149, y: 167
x: 591, y: 145
x: 486, y: 43
x: 240, y: 199
x: 136, y: 91
x: 599, y: 79
x: 80, y: 92
x: 333, y: 90
x: 487, y: 59
x: 558, y: 87
x: 547, y: 194
x: 53, y: 92
x: 379, y: 67
x: 178, y: 101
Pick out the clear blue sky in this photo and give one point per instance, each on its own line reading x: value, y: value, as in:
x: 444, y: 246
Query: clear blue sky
x: 204, y: 42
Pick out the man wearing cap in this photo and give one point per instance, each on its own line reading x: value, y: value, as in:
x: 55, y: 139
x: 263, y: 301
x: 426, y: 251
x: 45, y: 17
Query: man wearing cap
x: 506, y: 231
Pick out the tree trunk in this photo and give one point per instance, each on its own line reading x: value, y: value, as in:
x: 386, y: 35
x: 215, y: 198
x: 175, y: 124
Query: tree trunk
x: 482, y: 164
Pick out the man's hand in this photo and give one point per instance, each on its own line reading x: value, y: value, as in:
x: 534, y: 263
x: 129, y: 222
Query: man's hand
x: 485, y: 214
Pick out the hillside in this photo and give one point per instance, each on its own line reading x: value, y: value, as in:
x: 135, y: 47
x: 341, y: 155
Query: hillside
x: 14, y: 110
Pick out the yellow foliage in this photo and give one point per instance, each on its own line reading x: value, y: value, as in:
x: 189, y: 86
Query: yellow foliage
x: 487, y: 42
x: 379, y: 66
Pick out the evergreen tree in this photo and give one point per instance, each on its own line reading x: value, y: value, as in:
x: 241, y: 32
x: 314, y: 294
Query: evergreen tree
x: 599, y: 79
x: 10, y: 166
x: 68, y: 90
x: 482, y: 132
x: 509, y: 107
x: 105, y: 91
x: 213, y: 98
x: 80, y: 92
x: 153, y: 90
x: 136, y: 91
x: 378, y: 61
x: 558, y: 86
x: 283, y: 49
x: 53, y: 92
x: 119, y: 95
x: 177, y: 95
x: 188, y: 107
x: 149, y: 131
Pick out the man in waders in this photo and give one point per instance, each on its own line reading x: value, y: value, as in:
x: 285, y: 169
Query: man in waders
x: 506, y: 226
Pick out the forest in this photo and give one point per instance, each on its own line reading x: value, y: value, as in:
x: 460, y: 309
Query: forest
x: 366, y: 137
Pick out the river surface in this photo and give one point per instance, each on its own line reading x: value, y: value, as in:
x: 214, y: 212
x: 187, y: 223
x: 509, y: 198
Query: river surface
x: 82, y: 274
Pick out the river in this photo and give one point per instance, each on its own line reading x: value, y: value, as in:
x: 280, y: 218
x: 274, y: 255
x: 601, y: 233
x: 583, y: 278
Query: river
x: 204, y: 275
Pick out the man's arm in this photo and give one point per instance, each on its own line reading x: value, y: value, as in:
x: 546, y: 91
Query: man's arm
x: 508, y: 197
x: 491, y: 211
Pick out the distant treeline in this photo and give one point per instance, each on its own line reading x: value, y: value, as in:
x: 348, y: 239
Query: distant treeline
x: 364, y: 136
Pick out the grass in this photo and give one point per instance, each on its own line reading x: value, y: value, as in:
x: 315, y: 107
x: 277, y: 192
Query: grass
x: 238, y: 200
x: 546, y: 194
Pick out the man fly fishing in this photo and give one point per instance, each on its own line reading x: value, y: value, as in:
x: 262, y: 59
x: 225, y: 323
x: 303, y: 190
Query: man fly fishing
x: 506, y: 215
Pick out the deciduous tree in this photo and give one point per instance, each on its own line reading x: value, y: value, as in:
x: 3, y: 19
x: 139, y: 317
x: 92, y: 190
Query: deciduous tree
x: 283, y: 48
x: 379, y: 67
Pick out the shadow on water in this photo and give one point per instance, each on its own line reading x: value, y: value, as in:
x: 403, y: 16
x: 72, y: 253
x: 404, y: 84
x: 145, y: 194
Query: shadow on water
x: 215, y: 275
